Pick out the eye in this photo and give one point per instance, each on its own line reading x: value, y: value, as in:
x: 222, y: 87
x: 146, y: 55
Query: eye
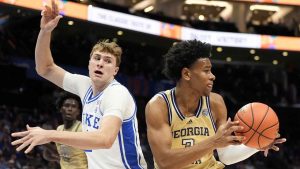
x: 107, y: 60
x: 66, y: 105
x: 74, y: 106
x: 97, y: 57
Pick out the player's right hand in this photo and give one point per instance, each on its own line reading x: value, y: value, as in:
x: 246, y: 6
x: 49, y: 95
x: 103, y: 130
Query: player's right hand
x: 224, y: 135
x: 32, y: 137
x: 50, y: 17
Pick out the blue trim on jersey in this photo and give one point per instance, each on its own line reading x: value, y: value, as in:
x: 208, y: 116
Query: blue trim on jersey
x: 129, y: 149
x: 177, y: 110
x: 168, y: 105
x: 88, y: 98
x: 86, y: 95
x: 134, y: 114
x: 137, y: 143
x: 180, y: 115
x: 210, y: 114
x: 199, y: 107
x: 92, y: 98
x: 121, y: 150
x: 88, y: 151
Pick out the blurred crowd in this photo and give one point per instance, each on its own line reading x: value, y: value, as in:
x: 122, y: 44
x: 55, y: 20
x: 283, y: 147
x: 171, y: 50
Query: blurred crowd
x: 14, y: 119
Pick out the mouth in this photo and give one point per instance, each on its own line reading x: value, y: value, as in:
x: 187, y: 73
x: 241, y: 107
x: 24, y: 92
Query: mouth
x: 98, y: 73
x: 67, y: 116
x: 210, y: 86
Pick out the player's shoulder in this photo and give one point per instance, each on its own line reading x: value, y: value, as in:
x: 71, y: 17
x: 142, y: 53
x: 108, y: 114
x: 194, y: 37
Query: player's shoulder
x: 156, y: 110
x: 156, y: 104
x: 75, y: 76
x: 118, y: 92
x: 117, y: 88
x: 157, y: 99
x: 60, y: 127
x: 216, y: 98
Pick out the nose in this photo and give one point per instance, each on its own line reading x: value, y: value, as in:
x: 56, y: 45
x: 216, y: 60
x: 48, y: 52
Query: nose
x: 212, y: 77
x: 69, y: 108
x: 100, y: 63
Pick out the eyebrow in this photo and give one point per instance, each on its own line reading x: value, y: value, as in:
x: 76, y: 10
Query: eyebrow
x: 105, y: 56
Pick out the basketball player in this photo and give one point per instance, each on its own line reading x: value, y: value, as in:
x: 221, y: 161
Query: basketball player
x: 187, y: 123
x: 110, y: 132
x: 70, y: 107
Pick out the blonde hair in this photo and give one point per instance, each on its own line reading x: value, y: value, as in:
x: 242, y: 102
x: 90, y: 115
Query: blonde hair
x: 108, y: 47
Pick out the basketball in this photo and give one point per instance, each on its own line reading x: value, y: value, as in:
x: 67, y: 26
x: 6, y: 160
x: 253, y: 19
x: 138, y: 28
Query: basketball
x: 260, y: 124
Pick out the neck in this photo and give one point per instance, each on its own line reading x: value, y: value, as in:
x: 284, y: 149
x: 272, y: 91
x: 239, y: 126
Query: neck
x: 97, y: 88
x: 186, y: 98
x: 68, y: 124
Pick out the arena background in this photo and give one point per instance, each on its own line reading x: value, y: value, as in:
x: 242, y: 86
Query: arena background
x: 256, y: 57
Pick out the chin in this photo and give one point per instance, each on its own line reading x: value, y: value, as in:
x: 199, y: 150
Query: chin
x: 97, y: 79
x: 207, y: 93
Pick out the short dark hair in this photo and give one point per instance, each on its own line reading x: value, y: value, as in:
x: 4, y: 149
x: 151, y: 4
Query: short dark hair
x: 66, y: 95
x: 184, y: 54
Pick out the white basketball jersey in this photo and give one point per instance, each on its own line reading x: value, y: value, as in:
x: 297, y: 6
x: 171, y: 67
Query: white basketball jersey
x: 114, y: 100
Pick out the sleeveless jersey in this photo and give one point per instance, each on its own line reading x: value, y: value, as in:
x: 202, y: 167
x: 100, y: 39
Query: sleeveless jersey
x: 188, y: 131
x: 70, y: 157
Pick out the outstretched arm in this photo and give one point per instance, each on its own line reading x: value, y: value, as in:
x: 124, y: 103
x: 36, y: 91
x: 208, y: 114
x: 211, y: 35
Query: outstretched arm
x: 234, y: 153
x: 45, y: 65
x: 114, y: 105
x: 159, y: 136
x: 102, y: 138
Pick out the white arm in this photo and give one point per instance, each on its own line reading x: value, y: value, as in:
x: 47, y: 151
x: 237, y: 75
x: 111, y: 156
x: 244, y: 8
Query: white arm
x: 45, y: 65
x: 102, y: 138
x: 233, y: 154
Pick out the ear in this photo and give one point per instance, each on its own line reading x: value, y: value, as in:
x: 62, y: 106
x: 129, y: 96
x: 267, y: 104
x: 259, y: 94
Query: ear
x: 185, y: 74
x: 116, y: 70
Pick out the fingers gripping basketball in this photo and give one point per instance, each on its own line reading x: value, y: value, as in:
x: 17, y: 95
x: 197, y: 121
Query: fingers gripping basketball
x: 260, y: 124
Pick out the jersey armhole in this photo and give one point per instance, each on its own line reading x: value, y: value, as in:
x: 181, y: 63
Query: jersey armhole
x: 210, y: 113
x: 168, y: 105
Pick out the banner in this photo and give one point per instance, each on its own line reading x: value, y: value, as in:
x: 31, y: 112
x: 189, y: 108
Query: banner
x: 280, y: 43
x: 168, y: 30
x: 222, y: 38
x: 121, y: 20
x: 66, y: 8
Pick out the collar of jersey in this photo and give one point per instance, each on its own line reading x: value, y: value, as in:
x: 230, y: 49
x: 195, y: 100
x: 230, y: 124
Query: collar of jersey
x: 178, y: 112
x: 89, y: 95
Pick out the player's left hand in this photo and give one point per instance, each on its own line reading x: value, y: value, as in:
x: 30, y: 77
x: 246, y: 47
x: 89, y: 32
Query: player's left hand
x: 32, y: 137
x: 273, y: 146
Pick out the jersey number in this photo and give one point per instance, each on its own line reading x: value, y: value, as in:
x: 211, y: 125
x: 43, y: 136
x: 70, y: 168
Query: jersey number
x: 188, y: 142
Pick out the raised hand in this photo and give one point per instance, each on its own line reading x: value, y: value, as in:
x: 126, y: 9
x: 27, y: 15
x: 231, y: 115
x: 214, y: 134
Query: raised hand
x: 50, y: 17
x: 224, y: 135
x: 32, y: 137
